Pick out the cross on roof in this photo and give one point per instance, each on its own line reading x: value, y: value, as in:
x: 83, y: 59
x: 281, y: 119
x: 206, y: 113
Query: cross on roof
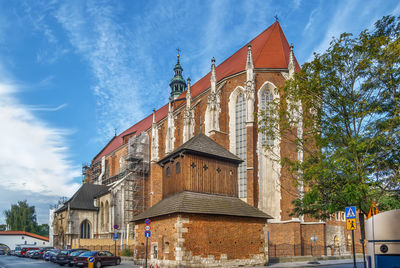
x: 276, y: 17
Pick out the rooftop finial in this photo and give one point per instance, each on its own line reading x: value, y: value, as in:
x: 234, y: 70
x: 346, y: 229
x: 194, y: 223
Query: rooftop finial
x: 188, y: 94
x: 276, y: 17
x: 154, y: 115
x: 179, y: 52
x: 292, y: 63
x: 213, y: 77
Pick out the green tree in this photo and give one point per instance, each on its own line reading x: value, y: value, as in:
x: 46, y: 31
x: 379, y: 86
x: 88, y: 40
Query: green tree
x: 3, y: 227
x: 346, y: 102
x: 43, y: 230
x: 21, y: 217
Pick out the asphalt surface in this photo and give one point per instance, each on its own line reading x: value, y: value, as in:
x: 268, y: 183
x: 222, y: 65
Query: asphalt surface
x: 17, y: 262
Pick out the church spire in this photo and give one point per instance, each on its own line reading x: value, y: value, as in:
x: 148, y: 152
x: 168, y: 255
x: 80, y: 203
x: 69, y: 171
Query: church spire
x: 213, y: 78
x: 188, y: 95
x: 292, y: 64
x: 177, y: 84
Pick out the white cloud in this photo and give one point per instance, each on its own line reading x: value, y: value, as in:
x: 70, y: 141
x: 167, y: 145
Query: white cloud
x: 344, y: 21
x: 47, y: 109
x: 102, y: 42
x: 33, y: 155
x: 311, y: 20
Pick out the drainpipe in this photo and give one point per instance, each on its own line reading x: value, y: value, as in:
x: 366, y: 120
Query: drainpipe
x: 103, y: 170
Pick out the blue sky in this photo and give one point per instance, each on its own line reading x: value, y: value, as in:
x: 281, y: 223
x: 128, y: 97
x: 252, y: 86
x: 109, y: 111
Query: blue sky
x: 71, y: 72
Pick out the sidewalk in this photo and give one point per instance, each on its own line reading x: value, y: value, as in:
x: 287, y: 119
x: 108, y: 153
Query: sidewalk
x: 307, y: 264
x: 128, y: 261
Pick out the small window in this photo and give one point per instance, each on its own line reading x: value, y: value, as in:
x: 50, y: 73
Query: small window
x: 155, y: 252
x: 178, y: 167
x: 166, y: 247
x: 168, y: 171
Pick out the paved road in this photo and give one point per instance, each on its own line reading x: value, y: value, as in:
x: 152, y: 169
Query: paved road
x: 16, y: 262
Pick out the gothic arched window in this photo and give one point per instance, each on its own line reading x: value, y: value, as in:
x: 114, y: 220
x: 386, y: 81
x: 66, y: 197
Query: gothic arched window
x: 266, y: 105
x: 241, y: 142
x: 102, y: 214
x: 106, y: 213
x: 85, y: 229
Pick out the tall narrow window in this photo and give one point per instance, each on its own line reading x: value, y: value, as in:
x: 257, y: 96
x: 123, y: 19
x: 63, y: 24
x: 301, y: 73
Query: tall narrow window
x: 85, y: 229
x: 266, y: 105
x: 106, y: 213
x: 241, y: 150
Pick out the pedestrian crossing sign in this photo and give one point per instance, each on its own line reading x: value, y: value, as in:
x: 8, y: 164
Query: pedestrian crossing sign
x: 351, y: 224
x: 350, y: 212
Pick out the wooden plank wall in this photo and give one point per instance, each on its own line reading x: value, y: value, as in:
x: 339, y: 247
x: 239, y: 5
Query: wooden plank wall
x: 199, y: 178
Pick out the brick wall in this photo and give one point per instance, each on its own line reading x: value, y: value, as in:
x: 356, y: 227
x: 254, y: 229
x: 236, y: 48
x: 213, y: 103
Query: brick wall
x: 284, y: 239
x: 196, y: 239
x: 224, y: 237
x: 309, y: 248
x: 163, y: 233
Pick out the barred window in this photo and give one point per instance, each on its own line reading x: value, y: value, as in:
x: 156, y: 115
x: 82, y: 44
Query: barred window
x: 266, y: 105
x: 241, y: 150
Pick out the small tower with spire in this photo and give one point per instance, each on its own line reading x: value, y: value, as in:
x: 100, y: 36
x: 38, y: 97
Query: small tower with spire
x: 178, y: 84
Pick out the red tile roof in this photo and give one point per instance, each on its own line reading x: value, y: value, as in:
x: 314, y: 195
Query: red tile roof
x: 24, y: 233
x: 270, y: 50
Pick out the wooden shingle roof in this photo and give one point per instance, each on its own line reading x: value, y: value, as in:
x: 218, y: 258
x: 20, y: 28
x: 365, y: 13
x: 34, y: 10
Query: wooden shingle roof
x: 201, y: 203
x: 203, y: 145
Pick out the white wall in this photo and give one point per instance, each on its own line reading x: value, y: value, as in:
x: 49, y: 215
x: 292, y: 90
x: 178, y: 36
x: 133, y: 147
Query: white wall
x: 12, y: 240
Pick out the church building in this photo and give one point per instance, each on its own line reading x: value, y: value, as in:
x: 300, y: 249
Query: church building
x: 197, y: 168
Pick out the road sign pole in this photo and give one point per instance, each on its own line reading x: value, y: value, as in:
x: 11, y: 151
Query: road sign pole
x: 362, y: 240
x: 145, y: 262
x: 354, y: 249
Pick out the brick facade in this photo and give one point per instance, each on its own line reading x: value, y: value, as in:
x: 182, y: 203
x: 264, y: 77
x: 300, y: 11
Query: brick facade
x: 203, y: 240
x: 270, y: 187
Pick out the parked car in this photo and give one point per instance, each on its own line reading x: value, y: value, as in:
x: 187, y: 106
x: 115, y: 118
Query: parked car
x: 30, y: 252
x: 62, y: 257
x: 17, y: 253
x: 75, y: 254
x: 101, y: 258
x: 11, y: 252
x: 53, y: 255
x: 25, y: 249
x: 38, y: 254
x: 2, y: 252
x: 47, y: 256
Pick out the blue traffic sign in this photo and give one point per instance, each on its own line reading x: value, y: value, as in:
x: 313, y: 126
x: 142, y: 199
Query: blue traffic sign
x: 147, y: 221
x: 91, y: 259
x: 147, y: 233
x: 115, y: 236
x: 351, y: 212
